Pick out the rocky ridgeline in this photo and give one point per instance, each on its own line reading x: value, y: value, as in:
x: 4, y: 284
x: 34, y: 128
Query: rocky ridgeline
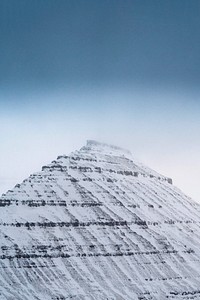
x: 98, y: 225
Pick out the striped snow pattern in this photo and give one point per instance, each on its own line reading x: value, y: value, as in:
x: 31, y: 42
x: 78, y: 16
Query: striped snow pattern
x: 98, y: 225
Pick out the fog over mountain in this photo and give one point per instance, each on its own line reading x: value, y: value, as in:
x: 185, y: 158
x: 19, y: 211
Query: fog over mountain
x: 122, y: 72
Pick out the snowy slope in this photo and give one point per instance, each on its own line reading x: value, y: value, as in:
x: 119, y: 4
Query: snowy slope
x: 98, y: 225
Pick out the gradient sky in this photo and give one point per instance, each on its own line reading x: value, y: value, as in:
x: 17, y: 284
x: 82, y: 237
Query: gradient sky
x: 126, y: 72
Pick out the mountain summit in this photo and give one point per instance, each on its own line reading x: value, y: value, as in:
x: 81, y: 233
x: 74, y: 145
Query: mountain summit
x: 96, y: 224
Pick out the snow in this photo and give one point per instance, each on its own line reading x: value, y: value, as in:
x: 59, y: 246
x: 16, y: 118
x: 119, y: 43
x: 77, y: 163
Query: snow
x: 97, y: 224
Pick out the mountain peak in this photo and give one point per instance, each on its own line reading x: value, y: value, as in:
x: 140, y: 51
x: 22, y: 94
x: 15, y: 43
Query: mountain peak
x: 105, y: 148
x: 95, y: 224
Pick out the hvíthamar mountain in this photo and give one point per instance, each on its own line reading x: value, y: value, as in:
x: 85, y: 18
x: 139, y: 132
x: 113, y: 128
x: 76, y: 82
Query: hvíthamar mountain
x: 98, y: 225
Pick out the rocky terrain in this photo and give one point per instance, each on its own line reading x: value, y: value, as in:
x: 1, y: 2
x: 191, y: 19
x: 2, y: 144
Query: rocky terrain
x: 98, y: 225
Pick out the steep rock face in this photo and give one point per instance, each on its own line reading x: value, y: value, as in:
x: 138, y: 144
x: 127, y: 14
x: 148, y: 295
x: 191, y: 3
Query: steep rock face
x: 98, y: 225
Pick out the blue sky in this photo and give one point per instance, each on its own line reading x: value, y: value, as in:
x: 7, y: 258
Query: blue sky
x: 122, y: 72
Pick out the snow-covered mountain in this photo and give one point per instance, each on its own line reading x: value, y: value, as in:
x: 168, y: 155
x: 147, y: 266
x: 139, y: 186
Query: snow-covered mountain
x: 98, y: 225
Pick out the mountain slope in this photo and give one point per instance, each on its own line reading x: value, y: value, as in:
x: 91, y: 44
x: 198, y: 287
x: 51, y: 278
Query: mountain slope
x: 98, y: 225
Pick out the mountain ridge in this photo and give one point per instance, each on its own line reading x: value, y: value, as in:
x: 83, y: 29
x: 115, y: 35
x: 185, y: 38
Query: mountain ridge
x: 96, y: 225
